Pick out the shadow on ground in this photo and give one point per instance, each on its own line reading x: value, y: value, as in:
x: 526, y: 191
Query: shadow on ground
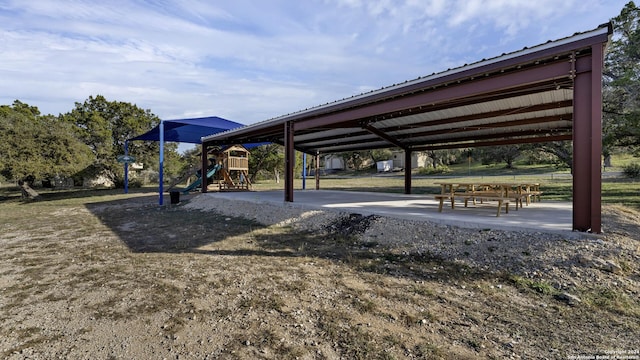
x: 148, y: 228
x: 46, y: 194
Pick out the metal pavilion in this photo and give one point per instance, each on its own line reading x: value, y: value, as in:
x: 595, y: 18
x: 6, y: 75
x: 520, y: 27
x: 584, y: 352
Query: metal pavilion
x: 548, y: 92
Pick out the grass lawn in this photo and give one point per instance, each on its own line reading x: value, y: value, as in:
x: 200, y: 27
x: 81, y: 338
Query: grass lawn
x: 556, y: 186
x: 88, y: 271
x: 105, y: 266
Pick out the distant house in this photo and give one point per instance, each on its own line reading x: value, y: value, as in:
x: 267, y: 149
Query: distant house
x: 418, y: 159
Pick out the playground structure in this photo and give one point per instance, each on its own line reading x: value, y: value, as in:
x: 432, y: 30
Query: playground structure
x: 228, y: 169
x: 234, y: 168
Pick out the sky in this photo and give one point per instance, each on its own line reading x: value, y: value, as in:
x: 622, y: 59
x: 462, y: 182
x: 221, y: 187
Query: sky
x: 252, y: 60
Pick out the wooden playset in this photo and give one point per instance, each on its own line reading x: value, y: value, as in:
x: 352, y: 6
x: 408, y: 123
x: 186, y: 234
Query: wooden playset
x: 233, y: 174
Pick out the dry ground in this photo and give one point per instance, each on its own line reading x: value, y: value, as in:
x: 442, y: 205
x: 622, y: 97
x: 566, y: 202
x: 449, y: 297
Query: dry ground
x: 121, y: 278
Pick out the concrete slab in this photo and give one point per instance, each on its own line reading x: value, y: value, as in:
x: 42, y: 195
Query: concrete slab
x: 545, y: 216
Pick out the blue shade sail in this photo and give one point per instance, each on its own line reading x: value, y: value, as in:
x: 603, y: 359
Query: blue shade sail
x: 189, y: 130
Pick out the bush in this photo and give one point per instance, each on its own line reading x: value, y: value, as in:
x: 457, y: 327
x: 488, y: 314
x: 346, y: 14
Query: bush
x: 632, y: 171
x: 443, y: 169
x: 133, y: 183
x: 535, y: 157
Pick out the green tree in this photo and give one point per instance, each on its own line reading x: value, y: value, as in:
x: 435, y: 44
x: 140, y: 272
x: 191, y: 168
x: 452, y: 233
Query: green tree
x: 380, y: 155
x: 446, y: 157
x: 266, y: 159
x: 497, y: 154
x: 191, y: 159
x: 105, y: 126
x: 621, y: 80
x: 356, y: 159
x: 561, y: 150
x: 33, y: 146
x: 174, y: 163
x: 64, y: 152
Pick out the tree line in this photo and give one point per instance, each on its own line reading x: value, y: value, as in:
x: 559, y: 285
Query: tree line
x: 86, y: 141
x: 82, y: 143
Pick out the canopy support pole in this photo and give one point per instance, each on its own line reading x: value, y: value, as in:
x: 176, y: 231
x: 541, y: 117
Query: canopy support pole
x: 304, y: 171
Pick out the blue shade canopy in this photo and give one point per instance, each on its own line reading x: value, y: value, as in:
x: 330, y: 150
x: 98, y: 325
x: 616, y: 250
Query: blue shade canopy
x: 184, y: 131
x: 189, y: 130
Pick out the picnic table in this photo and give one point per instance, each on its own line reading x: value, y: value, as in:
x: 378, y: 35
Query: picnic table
x: 502, y: 192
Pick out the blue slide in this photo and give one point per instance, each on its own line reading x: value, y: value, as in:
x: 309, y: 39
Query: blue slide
x: 196, y: 183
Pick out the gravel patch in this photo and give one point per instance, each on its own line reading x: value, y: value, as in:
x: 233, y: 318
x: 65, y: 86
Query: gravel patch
x: 563, y: 261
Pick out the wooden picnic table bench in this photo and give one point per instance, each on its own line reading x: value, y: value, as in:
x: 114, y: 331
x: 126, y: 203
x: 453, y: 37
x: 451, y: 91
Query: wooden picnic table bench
x: 503, y: 193
x: 485, y: 197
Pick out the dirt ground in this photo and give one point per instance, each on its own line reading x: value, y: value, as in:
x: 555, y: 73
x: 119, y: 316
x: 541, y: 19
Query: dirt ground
x: 121, y: 278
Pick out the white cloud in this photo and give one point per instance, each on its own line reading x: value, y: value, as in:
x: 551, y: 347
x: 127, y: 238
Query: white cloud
x: 509, y: 15
x: 249, y: 60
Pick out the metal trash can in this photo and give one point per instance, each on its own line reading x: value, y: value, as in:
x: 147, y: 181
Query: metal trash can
x: 175, y: 197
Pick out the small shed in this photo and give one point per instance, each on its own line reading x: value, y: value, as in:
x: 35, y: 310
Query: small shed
x: 384, y: 166
x: 333, y: 162
x: 418, y: 159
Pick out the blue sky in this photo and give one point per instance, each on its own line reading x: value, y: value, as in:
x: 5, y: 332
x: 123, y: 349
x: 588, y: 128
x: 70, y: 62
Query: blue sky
x: 249, y: 61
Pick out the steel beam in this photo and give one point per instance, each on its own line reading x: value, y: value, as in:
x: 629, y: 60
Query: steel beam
x: 396, y: 141
x: 515, y: 135
x: 587, y: 142
x: 597, y: 68
x: 471, y: 144
x: 495, y: 125
x: 477, y: 116
x: 407, y: 171
x: 317, y: 170
x: 289, y: 161
x: 383, y: 135
x: 491, y: 84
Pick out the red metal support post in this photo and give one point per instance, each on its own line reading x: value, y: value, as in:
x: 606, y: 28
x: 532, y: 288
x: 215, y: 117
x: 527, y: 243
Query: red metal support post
x: 289, y: 161
x: 407, y: 171
x: 587, y: 142
x: 597, y: 61
x: 316, y: 162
